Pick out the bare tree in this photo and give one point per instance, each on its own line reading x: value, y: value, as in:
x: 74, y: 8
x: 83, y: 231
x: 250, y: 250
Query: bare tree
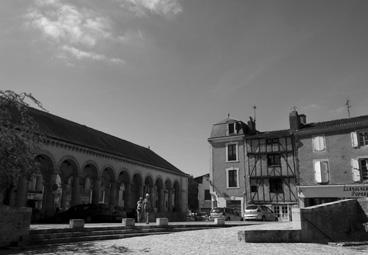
x: 19, y: 138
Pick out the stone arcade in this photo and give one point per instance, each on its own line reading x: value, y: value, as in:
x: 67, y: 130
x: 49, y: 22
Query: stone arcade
x: 80, y: 165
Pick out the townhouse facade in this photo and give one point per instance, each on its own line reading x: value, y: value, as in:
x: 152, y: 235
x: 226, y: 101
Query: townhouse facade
x: 228, y: 163
x: 204, y: 195
x: 272, y: 171
x: 304, y: 165
x: 333, y: 160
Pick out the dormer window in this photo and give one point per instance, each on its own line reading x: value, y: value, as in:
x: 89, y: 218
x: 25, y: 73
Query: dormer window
x: 231, y: 128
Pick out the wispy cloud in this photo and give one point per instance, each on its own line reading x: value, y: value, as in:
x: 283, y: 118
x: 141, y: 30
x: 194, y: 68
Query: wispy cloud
x: 167, y: 8
x: 69, y: 51
x: 74, y: 31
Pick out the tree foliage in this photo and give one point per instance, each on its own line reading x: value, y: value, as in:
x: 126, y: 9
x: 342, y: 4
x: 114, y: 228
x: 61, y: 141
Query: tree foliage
x: 19, y: 137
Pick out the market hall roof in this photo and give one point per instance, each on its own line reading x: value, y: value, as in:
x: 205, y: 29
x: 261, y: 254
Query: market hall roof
x: 65, y: 130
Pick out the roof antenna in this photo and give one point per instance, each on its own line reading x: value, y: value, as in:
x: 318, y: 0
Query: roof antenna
x: 254, y: 113
x: 348, y: 106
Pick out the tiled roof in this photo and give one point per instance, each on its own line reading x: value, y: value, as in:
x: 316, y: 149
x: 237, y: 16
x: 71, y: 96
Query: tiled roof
x: 72, y: 132
x: 270, y: 134
x: 335, y: 125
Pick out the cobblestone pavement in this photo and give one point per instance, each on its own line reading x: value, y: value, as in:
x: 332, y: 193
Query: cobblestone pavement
x: 210, y: 241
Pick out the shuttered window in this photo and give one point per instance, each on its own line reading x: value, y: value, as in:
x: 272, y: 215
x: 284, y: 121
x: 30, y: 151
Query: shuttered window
x: 319, y: 143
x: 364, y: 165
x: 321, y: 171
x: 355, y: 171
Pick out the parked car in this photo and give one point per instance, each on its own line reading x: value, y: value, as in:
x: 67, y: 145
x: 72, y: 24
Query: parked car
x: 259, y: 212
x: 90, y: 213
x: 226, y: 213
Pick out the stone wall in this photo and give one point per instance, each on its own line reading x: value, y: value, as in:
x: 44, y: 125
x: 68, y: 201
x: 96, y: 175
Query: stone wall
x: 14, y: 225
x: 333, y: 222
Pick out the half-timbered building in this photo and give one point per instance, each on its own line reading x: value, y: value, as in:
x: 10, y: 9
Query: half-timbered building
x: 272, y: 171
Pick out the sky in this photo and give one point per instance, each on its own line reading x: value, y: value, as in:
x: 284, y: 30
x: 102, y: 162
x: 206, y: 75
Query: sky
x: 160, y: 73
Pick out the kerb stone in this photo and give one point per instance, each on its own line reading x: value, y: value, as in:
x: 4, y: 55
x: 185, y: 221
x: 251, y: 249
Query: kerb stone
x: 76, y: 223
x: 128, y: 222
x: 162, y: 221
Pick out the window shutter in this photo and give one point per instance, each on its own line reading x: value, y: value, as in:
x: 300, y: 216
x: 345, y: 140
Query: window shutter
x: 354, y: 139
x: 355, y: 171
x: 315, y: 143
x: 322, y: 143
x: 317, y: 171
x: 324, y: 171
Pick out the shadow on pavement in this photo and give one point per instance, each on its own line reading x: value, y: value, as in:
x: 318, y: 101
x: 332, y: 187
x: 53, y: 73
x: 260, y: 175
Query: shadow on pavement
x: 87, y: 247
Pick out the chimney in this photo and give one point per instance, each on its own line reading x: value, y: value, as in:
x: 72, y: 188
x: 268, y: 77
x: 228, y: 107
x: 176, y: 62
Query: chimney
x: 303, y: 119
x: 252, y: 125
x: 294, y: 120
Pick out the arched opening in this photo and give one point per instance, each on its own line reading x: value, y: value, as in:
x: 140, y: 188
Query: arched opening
x: 137, y: 187
x: 123, y: 190
x: 89, y: 192
x: 108, y: 188
x: 148, y: 185
x: 159, y: 195
x: 42, y: 188
x: 68, y: 190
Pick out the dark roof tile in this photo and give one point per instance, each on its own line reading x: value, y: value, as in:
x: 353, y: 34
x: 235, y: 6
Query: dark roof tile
x: 72, y: 132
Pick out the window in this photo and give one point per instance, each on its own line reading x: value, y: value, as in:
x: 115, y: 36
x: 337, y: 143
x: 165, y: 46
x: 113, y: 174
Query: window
x: 319, y: 143
x: 232, y: 178
x: 364, y: 167
x: 359, y: 139
x: 363, y: 138
x: 232, y: 152
x: 273, y: 160
x: 272, y: 141
x: 231, y: 128
x: 321, y: 171
x: 254, y: 188
x: 276, y: 185
x: 207, y: 195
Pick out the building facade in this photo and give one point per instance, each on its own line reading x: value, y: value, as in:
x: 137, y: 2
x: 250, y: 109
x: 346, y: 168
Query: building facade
x: 228, y: 163
x: 272, y: 171
x: 305, y: 165
x: 333, y: 157
x: 80, y: 165
x: 204, y: 195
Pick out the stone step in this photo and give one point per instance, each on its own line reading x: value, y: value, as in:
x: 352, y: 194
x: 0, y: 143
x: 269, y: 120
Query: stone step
x: 59, y: 234
x: 87, y: 238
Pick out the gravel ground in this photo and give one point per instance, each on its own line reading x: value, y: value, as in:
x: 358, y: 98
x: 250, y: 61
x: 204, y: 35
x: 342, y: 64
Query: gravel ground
x: 210, y: 241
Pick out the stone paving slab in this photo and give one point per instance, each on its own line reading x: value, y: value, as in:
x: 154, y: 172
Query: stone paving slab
x: 217, y: 241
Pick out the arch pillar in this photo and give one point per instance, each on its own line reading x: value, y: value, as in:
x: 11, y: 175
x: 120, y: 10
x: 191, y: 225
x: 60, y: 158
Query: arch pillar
x: 48, y: 202
x: 22, y: 189
x: 76, y: 191
x: 113, y: 193
x: 96, y: 191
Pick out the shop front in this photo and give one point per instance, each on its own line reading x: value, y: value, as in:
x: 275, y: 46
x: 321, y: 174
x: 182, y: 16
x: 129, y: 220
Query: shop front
x: 314, y: 195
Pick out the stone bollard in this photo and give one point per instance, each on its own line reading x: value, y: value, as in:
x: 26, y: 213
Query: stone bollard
x: 76, y: 223
x: 162, y: 221
x: 219, y: 221
x: 128, y: 222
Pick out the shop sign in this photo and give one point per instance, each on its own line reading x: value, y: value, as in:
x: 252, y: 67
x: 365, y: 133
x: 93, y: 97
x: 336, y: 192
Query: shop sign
x: 337, y: 191
x: 356, y: 191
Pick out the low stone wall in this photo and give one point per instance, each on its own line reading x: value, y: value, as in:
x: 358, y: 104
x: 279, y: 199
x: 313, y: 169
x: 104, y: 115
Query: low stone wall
x: 270, y: 236
x: 340, y: 221
x: 14, y: 225
x: 333, y: 222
